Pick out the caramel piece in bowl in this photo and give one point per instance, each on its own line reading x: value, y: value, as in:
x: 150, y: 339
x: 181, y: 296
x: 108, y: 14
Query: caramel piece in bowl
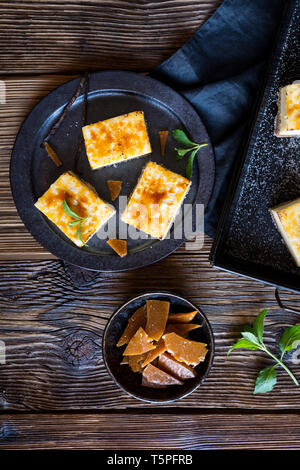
x: 137, y: 320
x: 146, y: 383
x: 157, y: 316
x: 178, y: 369
x: 182, y: 317
x: 139, y: 344
x: 160, y: 348
x: 156, y: 376
x: 135, y: 362
x: 181, y: 329
x: 185, y: 350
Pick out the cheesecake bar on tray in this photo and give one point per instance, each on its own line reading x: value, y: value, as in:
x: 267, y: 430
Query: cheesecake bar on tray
x: 287, y: 219
x: 287, y: 123
x: 116, y: 139
x: 156, y: 200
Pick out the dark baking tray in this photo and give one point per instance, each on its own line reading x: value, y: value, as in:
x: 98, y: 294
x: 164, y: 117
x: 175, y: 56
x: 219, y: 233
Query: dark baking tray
x: 268, y: 173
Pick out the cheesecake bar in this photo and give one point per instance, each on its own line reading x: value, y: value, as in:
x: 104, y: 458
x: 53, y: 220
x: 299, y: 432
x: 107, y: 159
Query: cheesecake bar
x: 287, y: 219
x: 116, y: 140
x: 288, y: 117
x: 82, y: 200
x: 156, y: 200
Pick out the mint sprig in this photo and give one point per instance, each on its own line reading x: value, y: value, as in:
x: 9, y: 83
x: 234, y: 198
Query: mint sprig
x: 252, y: 339
x: 78, y: 220
x: 191, y: 148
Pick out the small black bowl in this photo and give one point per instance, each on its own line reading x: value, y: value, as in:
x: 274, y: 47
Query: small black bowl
x: 129, y: 381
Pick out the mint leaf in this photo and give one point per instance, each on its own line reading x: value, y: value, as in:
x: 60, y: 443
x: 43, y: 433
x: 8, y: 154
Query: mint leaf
x: 258, y: 325
x: 249, y: 329
x: 243, y: 344
x: 265, y: 381
x: 290, y: 338
x: 182, y: 138
x: 76, y: 222
x: 189, y: 165
x: 79, y: 235
x: 181, y: 153
x: 69, y: 211
x: 250, y: 337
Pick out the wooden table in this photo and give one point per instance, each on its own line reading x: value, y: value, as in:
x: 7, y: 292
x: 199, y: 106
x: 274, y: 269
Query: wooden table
x: 54, y: 389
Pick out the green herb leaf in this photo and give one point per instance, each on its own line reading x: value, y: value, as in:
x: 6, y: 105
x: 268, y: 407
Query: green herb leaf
x: 243, y: 344
x: 258, y: 325
x: 290, y: 338
x: 79, y: 220
x: 70, y: 212
x: 71, y: 224
x: 189, y: 165
x: 182, y: 138
x: 249, y: 329
x: 250, y: 337
x: 181, y: 153
x: 79, y: 235
x: 265, y: 381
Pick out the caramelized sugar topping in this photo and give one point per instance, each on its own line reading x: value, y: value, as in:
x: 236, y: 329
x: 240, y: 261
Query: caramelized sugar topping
x: 157, y: 315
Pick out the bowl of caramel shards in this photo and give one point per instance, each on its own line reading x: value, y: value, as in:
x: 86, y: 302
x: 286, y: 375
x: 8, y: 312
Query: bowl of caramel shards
x: 158, y: 347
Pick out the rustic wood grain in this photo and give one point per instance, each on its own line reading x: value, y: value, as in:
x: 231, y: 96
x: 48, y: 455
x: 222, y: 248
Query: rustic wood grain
x: 42, y: 36
x: 52, y: 317
x: 53, y: 331
x: 144, y: 431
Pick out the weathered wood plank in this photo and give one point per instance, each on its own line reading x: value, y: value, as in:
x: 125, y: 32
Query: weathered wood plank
x: 41, y: 36
x: 150, y: 431
x: 44, y: 317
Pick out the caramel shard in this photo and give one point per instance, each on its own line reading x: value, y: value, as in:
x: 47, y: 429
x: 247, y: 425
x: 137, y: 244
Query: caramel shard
x: 135, y: 362
x: 163, y: 135
x: 156, y: 376
x: 157, y: 316
x: 52, y: 154
x: 182, y: 317
x: 124, y: 361
x: 181, y: 329
x: 178, y: 369
x: 146, y: 383
x: 184, y: 350
x: 139, y: 344
x: 114, y: 188
x: 152, y: 355
x: 137, y: 320
x: 119, y: 246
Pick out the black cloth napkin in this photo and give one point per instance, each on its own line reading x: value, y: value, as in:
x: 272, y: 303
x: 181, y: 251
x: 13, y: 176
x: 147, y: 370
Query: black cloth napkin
x: 218, y: 70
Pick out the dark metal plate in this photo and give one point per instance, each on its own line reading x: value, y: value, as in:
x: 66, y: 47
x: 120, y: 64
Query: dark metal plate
x: 111, y: 93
